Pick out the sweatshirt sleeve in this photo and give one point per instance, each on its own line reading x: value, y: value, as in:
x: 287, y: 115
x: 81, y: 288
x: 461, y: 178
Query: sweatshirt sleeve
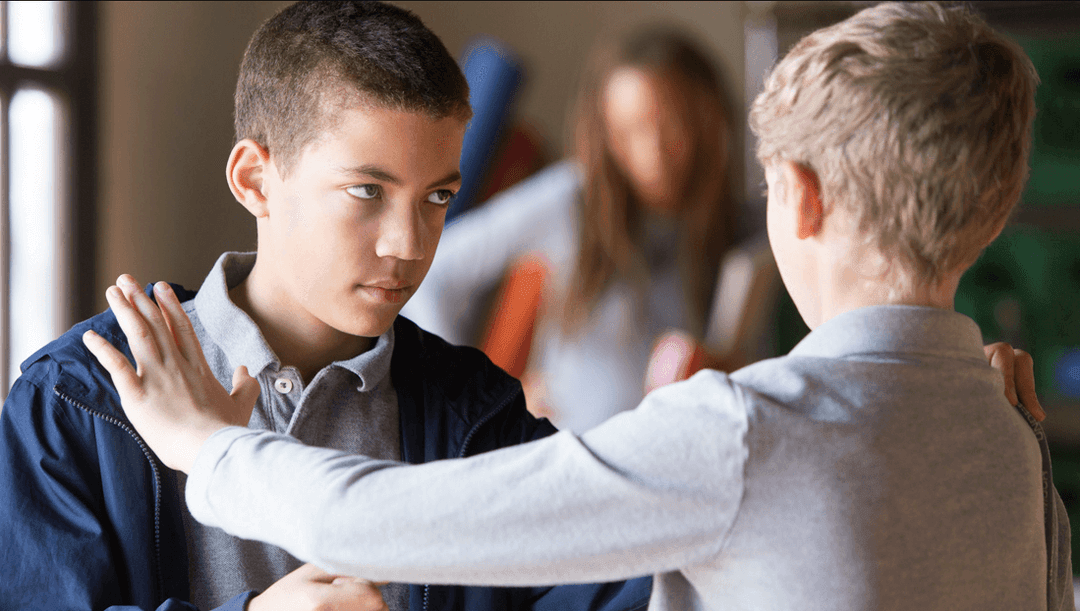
x: 649, y: 491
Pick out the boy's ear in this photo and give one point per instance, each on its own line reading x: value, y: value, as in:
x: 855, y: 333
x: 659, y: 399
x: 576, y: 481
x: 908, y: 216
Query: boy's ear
x: 246, y: 173
x: 805, y: 191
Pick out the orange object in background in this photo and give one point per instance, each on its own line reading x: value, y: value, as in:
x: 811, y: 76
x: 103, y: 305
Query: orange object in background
x: 513, y: 321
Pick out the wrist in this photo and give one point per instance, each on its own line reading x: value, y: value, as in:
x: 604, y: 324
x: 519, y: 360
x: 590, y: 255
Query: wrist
x: 190, y: 442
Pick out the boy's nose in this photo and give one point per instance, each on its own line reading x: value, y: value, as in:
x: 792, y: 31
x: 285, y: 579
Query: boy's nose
x: 401, y: 234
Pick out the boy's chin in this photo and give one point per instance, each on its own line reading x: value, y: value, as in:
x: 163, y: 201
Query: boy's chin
x: 371, y: 324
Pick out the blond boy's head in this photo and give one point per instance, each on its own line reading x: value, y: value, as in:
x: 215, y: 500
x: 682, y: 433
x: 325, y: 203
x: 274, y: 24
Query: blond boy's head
x: 916, y: 120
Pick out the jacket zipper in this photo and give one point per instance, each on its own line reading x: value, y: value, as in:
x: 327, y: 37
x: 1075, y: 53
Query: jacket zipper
x: 464, y: 448
x: 484, y: 420
x: 153, y: 467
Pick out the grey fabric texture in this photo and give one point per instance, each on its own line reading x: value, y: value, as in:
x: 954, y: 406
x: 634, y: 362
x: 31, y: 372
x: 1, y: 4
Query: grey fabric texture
x: 349, y: 405
x: 878, y: 466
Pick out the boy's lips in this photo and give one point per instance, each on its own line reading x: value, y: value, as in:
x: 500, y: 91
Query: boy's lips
x: 386, y: 291
x: 390, y: 285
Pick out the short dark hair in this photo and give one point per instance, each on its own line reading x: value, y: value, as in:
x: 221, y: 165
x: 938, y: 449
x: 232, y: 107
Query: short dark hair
x: 312, y: 54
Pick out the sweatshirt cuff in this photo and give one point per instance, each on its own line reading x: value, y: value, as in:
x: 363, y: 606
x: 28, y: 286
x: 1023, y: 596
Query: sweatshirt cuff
x: 212, y: 452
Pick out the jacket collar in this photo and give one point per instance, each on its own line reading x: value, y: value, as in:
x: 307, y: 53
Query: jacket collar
x: 81, y: 377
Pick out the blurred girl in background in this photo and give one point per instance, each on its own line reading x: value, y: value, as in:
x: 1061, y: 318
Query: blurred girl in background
x: 598, y: 255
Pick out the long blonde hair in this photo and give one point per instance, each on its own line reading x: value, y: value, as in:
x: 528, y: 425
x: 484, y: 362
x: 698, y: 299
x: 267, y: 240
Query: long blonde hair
x: 612, y: 217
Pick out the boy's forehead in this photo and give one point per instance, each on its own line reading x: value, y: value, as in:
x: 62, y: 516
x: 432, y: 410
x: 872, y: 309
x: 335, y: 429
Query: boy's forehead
x: 375, y: 112
x: 361, y: 132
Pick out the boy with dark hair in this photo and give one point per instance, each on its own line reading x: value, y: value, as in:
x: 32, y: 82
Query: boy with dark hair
x: 877, y: 466
x: 349, y: 121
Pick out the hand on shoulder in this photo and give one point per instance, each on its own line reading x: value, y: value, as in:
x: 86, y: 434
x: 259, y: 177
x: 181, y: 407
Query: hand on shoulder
x: 172, y: 397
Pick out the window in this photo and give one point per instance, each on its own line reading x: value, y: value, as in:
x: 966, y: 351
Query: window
x: 46, y: 119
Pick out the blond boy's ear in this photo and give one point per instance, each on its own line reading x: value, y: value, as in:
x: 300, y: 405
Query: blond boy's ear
x: 246, y: 173
x: 804, y: 192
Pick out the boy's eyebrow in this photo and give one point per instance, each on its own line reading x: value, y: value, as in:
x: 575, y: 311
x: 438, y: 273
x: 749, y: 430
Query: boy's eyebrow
x: 373, y: 171
x: 450, y: 178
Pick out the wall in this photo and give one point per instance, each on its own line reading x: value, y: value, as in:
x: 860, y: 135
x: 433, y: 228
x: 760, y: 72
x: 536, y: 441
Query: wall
x: 553, y: 40
x: 167, y: 73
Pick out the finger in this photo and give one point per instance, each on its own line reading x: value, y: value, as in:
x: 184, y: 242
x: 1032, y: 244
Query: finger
x: 1025, y: 384
x: 1001, y: 358
x: 345, y: 579
x: 245, y: 393
x: 123, y: 374
x: 179, y: 324
x: 310, y: 572
x: 151, y: 313
x: 144, y: 346
x: 356, y: 595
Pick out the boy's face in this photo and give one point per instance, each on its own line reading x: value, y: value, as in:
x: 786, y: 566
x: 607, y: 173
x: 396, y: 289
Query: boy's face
x: 349, y: 234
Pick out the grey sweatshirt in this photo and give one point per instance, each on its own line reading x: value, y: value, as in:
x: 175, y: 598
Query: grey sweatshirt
x: 878, y: 466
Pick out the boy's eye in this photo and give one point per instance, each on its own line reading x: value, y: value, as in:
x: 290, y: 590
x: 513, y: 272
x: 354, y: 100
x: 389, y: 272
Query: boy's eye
x: 363, y: 191
x: 441, y: 197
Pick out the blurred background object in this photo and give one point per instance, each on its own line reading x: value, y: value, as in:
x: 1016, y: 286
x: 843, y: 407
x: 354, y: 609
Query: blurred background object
x: 595, y: 257
x: 495, y: 77
x: 47, y: 172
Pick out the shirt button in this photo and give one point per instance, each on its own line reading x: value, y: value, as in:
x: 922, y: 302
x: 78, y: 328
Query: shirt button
x: 283, y: 385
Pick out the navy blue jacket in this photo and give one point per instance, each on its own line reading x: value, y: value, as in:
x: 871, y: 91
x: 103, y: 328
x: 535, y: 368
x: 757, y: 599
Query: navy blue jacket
x: 90, y: 518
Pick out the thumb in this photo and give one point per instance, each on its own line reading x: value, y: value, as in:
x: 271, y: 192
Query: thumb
x: 245, y: 392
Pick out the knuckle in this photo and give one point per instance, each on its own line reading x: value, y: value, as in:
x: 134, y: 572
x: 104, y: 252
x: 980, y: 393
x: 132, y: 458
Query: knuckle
x: 141, y: 332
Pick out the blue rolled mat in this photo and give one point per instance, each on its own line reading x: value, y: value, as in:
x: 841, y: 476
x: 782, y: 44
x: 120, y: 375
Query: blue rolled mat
x: 494, y: 74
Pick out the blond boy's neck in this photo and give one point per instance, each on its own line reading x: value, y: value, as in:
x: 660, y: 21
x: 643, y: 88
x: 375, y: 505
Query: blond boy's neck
x: 844, y: 281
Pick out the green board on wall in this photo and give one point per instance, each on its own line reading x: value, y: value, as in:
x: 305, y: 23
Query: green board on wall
x: 1055, y: 155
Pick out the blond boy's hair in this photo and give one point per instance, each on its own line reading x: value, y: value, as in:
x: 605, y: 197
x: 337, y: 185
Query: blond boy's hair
x: 916, y: 119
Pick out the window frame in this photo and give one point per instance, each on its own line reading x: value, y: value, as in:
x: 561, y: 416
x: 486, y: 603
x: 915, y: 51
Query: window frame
x: 73, y: 79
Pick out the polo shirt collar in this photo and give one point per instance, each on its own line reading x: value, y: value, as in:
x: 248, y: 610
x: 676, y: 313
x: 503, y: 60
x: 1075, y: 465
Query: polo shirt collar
x: 243, y: 343
x: 894, y: 329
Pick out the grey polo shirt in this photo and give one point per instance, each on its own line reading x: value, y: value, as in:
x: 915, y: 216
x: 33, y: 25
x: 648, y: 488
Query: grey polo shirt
x: 349, y: 405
